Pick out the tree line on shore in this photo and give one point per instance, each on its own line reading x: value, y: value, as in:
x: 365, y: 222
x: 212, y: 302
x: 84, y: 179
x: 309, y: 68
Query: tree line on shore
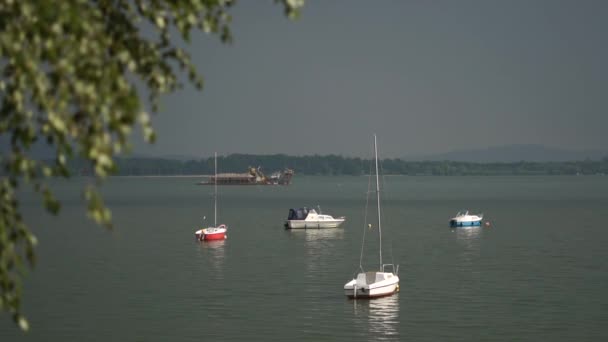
x: 334, y: 165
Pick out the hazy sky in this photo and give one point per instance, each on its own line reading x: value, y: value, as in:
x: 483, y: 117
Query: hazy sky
x: 426, y: 76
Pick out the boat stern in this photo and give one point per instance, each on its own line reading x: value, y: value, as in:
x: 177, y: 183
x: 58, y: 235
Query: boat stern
x: 350, y: 289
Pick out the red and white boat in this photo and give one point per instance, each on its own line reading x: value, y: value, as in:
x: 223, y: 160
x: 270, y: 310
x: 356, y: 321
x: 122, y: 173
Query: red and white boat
x: 212, y: 233
x: 216, y: 232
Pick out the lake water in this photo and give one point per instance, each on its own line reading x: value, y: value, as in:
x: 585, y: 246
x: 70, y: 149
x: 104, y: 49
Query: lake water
x: 540, y: 272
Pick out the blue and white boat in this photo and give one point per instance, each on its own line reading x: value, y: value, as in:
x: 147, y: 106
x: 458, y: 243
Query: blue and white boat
x: 464, y: 219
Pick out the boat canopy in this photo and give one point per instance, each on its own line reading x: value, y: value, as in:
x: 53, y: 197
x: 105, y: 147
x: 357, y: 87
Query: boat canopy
x: 298, y: 214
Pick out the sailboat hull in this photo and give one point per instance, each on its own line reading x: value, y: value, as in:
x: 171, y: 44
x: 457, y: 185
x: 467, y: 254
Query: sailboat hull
x: 361, y: 294
x: 216, y: 236
x: 360, y: 288
x: 211, y: 233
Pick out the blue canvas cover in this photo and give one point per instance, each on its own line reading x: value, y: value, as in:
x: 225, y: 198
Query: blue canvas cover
x: 297, y: 214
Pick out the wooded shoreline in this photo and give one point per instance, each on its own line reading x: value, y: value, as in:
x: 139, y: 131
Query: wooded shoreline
x: 341, y: 166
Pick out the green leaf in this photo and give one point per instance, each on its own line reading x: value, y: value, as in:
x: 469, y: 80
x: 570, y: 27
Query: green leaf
x: 76, y: 74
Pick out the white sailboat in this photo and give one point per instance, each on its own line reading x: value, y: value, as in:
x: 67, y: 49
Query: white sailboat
x: 216, y: 232
x: 383, y: 282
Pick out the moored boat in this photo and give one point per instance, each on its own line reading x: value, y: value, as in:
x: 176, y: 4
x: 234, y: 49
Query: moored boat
x: 464, y: 219
x: 215, y: 232
x: 373, y: 284
x: 212, y: 233
x: 383, y: 282
x: 304, y: 218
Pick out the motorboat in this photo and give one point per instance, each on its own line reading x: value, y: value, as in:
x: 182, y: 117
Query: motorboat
x: 214, y: 232
x: 305, y: 218
x: 464, y: 219
x: 384, y: 281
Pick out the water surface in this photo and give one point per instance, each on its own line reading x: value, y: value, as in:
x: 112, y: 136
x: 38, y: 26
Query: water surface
x: 538, y: 273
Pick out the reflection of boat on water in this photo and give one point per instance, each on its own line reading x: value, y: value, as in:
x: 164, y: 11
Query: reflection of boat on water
x: 464, y: 219
x: 214, y: 253
x: 382, y: 316
x: 320, y: 251
x: 318, y: 234
x: 304, y: 218
x: 466, y: 260
x: 383, y: 282
x: 254, y: 176
x: 469, y: 238
x: 468, y: 234
x: 214, y: 245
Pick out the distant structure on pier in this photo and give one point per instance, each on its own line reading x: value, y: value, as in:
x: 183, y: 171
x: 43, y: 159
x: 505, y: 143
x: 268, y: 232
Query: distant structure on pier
x: 253, y: 177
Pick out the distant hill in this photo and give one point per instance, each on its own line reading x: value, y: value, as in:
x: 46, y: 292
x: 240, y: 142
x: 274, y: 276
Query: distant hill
x: 514, y: 153
x: 181, y: 157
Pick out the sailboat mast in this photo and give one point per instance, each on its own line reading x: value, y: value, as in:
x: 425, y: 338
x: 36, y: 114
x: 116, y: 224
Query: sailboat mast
x: 215, y: 195
x: 378, y: 199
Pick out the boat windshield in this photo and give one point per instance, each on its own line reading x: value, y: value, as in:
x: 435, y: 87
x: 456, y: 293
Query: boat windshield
x: 297, y: 214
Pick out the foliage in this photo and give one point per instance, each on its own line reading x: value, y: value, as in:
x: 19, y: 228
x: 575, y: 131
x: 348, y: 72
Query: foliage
x: 76, y: 75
